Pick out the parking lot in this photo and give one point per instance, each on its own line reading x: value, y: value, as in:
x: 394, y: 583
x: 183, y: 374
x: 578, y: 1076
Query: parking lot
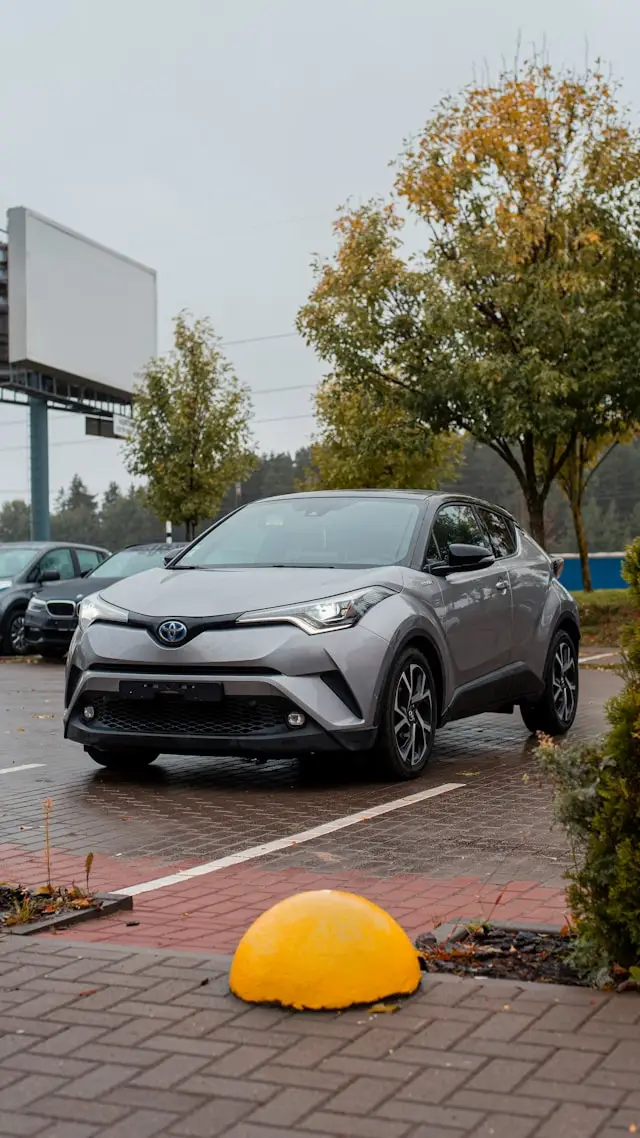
x: 472, y: 833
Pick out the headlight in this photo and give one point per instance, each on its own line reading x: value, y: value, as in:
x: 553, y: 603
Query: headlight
x: 36, y: 605
x: 324, y: 615
x: 96, y: 608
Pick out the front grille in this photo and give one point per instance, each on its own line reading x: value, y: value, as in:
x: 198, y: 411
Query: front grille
x: 61, y: 608
x: 231, y: 717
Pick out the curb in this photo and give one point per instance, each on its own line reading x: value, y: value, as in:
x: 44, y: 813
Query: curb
x: 109, y: 903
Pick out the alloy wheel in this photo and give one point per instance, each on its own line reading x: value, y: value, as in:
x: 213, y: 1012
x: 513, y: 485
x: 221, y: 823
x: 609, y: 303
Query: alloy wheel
x: 413, y: 715
x: 17, y: 637
x: 564, y: 682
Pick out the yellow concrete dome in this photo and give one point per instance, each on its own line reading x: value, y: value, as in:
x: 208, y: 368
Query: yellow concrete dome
x: 324, y: 949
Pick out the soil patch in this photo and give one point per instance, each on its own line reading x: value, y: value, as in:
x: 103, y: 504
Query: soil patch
x: 506, y: 954
x: 24, y: 911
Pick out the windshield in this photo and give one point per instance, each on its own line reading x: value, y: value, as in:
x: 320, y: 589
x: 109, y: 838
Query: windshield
x: 13, y: 559
x: 314, y: 532
x: 128, y: 562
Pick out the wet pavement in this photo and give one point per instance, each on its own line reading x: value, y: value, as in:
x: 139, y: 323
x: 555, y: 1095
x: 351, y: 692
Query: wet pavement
x: 494, y: 829
x: 102, y: 1042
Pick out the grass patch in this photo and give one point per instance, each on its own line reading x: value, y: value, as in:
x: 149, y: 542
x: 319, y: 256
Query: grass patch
x: 603, y: 614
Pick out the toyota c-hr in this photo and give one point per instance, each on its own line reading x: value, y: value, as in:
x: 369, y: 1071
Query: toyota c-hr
x: 334, y: 621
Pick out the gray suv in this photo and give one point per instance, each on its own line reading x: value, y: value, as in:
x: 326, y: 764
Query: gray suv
x: 332, y: 621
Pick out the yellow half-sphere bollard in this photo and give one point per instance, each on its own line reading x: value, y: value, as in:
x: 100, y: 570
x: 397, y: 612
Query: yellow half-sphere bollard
x: 324, y: 949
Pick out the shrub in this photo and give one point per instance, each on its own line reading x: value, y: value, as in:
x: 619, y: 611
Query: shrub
x: 597, y: 800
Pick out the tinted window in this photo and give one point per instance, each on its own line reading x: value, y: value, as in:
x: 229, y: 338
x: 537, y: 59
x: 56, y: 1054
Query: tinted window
x: 346, y: 532
x: 88, y: 559
x: 502, y: 533
x: 457, y: 525
x: 59, y: 560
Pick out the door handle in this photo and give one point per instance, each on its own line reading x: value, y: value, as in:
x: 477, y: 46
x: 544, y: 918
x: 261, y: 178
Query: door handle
x: 502, y: 585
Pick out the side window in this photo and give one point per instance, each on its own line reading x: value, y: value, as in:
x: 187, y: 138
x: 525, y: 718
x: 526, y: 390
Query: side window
x: 502, y: 533
x: 59, y: 560
x: 457, y: 525
x: 88, y: 559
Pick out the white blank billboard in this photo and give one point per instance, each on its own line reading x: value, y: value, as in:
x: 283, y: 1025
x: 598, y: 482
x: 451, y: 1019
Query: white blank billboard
x: 76, y: 309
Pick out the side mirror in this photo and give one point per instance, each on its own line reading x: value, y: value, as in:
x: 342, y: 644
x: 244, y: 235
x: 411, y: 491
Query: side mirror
x: 48, y: 576
x: 465, y: 558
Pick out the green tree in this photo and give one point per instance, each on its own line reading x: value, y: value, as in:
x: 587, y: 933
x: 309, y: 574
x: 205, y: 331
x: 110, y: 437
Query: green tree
x: 585, y: 458
x: 369, y: 439
x: 76, y: 516
x: 517, y: 320
x: 190, y: 439
x: 15, y: 518
x: 125, y: 519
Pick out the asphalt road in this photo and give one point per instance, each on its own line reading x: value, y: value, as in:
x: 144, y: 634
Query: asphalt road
x: 183, y: 812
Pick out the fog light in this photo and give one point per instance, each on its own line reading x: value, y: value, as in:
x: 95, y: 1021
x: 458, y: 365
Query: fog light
x: 296, y: 719
x: 88, y: 713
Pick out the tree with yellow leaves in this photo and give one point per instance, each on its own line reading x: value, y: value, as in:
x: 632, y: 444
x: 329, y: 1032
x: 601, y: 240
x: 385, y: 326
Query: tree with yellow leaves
x: 519, y: 319
x: 371, y: 441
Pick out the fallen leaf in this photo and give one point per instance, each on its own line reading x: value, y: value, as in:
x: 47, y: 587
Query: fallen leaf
x: 89, y: 992
x: 48, y: 716
x: 203, y: 983
x: 633, y: 1129
x: 470, y: 774
x: 525, y: 778
x: 132, y: 924
x: 384, y: 1009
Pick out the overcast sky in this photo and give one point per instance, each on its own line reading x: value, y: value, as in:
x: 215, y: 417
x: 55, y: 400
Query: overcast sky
x: 214, y: 139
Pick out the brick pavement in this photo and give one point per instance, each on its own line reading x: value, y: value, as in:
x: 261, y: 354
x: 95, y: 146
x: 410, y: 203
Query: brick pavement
x: 488, y: 848
x: 102, y: 1042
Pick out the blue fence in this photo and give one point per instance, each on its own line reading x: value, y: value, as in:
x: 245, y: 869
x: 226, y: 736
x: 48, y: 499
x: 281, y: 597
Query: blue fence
x: 605, y: 571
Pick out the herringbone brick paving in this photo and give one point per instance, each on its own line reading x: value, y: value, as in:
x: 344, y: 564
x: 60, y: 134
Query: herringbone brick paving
x: 106, y: 1042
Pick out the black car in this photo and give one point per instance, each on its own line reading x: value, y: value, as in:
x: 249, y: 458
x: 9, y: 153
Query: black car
x: 27, y: 565
x: 51, y: 615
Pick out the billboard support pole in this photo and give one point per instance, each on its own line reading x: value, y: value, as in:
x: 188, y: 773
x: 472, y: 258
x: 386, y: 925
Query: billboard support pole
x: 39, y: 459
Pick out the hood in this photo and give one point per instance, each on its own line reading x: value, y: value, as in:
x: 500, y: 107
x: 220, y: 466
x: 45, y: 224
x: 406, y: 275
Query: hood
x: 225, y: 592
x: 76, y: 589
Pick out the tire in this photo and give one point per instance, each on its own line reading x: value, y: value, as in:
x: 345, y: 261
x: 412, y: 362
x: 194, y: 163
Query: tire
x: 14, y: 642
x: 555, y: 711
x: 409, y: 716
x: 126, y: 760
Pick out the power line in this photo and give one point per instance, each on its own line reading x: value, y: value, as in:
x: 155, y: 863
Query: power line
x: 261, y: 339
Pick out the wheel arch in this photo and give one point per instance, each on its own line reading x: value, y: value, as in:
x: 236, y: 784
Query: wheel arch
x: 418, y: 638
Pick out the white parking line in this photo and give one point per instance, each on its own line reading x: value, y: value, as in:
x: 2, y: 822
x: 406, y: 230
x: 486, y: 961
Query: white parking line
x: 600, y: 656
x: 286, y: 843
x: 22, y: 767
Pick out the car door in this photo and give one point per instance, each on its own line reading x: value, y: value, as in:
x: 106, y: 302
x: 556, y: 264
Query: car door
x: 58, y: 561
x: 476, y: 605
x: 88, y: 559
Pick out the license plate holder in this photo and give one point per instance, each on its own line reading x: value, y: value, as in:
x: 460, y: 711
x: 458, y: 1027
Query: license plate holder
x: 180, y: 690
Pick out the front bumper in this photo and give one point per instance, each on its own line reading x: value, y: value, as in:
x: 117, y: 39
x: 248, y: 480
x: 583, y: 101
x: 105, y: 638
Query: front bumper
x: 44, y: 631
x: 249, y: 719
x: 262, y: 673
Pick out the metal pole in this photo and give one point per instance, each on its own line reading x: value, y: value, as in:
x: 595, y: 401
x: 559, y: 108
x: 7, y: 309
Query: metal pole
x: 39, y: 440
x: 168, y: 530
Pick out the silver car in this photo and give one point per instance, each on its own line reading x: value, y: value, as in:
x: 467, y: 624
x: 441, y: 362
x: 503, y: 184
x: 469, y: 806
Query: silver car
x: 335, y: 621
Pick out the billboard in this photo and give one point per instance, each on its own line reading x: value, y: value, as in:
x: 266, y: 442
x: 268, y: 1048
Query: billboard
x: 77, y: 310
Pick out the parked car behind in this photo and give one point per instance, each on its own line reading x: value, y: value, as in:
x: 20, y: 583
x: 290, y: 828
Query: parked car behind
x: 51, y: 616
x: 335, y: 621
x: 25, y: 566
